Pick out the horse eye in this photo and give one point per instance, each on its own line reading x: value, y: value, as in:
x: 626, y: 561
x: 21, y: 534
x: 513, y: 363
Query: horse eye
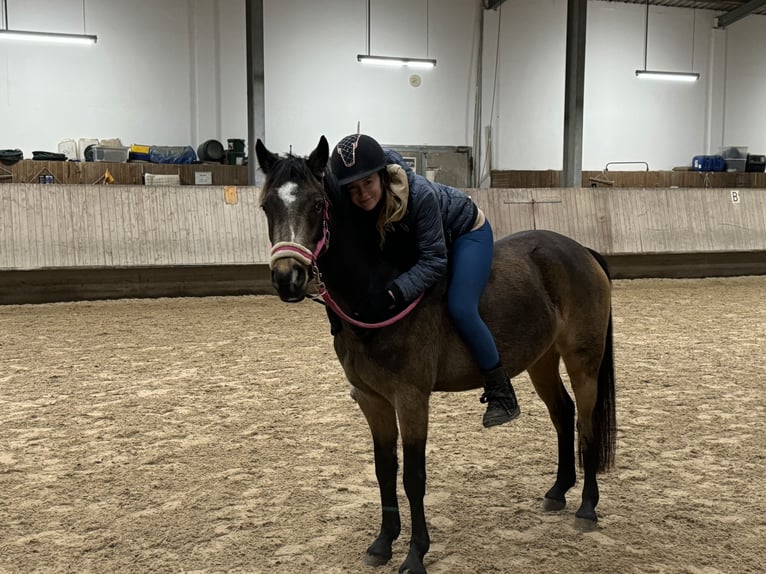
x: 319, y: 206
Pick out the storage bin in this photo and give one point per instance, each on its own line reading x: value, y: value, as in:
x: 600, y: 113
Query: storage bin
x: 735, y: 156
x: 236, y: 145
x: 736, y: 164
x: 755, y: 163
x: 112, y: 154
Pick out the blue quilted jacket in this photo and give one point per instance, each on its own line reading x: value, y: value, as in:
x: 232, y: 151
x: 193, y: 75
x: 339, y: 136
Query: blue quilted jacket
x: 436, y: 215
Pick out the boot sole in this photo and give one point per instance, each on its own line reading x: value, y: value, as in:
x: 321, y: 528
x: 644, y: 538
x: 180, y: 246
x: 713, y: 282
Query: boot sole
x: 495, y: 421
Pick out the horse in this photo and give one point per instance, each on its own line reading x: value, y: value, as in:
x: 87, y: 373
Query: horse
x: 548, y: 300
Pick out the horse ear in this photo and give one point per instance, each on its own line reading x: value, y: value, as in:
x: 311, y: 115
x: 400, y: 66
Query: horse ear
x: 266, y: 159
x: 318, y: 159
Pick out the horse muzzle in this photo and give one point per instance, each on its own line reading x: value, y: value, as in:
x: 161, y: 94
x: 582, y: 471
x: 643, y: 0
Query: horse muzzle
x: 290, y: 279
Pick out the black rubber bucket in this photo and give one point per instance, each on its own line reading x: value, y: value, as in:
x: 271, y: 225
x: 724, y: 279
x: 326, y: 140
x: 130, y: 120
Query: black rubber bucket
x: 211, y: 150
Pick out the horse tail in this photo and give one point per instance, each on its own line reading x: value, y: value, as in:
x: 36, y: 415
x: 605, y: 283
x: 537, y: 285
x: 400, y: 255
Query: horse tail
x: 604, y: 415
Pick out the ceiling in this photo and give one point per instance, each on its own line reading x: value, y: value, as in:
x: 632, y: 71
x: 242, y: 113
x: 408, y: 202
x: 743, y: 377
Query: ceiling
x: 716, y: 5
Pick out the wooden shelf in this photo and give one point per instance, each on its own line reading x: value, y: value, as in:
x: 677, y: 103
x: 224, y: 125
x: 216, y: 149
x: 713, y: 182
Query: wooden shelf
x: 519, y: 179
x: 130, y: 173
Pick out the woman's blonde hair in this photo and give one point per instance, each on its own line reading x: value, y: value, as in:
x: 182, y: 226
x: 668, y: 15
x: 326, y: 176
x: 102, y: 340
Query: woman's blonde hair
x: 396, y: 201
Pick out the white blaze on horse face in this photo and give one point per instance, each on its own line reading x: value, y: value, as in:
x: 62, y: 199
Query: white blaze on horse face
x: 287, y: 192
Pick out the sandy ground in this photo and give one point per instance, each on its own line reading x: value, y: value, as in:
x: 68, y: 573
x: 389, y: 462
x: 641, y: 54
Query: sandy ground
x: 217, y: 435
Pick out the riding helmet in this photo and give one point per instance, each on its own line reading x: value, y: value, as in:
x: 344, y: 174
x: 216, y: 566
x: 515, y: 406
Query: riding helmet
x: 355, y: 157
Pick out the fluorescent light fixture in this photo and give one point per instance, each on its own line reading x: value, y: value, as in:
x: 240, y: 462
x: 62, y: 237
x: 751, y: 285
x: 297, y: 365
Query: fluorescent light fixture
x: 393, y: 61
x: 671, y: 76
x: 54, y: 37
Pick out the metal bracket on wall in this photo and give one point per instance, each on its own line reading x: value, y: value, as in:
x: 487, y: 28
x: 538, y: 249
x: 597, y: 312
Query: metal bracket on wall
x: 606, y: 168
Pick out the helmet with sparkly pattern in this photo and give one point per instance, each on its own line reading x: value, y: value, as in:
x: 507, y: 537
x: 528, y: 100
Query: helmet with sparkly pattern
x: 355, y: 157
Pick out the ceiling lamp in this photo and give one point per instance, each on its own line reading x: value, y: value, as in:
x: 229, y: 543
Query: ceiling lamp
x: 394, y: 61
x: 675, y: 76
x: 54, y: 37
x: 8, y: 34
x: 664, y: 75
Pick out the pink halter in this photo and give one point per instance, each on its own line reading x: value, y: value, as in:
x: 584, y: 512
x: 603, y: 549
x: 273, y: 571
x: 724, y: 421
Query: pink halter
x: 309, y: 258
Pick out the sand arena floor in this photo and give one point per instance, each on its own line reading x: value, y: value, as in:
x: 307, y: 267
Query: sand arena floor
x: 217, y: 435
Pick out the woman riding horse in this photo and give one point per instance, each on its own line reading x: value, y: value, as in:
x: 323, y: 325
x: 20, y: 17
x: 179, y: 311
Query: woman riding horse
x: 547, y: 301
x: 429, y: 229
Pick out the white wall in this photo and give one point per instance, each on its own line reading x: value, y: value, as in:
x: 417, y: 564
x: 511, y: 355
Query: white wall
x: 745, y: 92
x: 631, y: 119
x: 528, y: 92
x: 314, y: 84
x: 173, y: 73
x: 162, y: 73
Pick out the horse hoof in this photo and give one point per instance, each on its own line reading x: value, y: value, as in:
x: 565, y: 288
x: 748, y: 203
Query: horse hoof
x: 375, y: 560
x: 412, y: 569
x: 551, y: 504
x: 585, y: 524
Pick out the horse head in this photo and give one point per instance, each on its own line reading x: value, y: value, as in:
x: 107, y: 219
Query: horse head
x: 295, y: 204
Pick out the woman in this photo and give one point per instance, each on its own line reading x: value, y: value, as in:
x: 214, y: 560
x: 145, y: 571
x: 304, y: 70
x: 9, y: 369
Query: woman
x: 421, y: 222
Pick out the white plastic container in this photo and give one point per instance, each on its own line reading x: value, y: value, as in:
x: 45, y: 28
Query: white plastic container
x: 69, y: 148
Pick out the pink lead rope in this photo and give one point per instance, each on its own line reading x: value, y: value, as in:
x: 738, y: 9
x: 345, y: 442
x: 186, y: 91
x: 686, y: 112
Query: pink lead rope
x: 297, y: 251
x: 325, y: 295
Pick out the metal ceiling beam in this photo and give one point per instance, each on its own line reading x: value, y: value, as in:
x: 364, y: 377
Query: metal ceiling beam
x: 492, y: 4
x: 738, y: 13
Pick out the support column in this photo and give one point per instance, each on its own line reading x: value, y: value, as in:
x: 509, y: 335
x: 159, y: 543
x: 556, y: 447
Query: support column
x: 256, y: 117
x: 577, y: 18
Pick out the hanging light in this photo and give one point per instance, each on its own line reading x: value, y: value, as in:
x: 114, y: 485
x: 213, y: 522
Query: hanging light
x: 395, y: 61
x: 664, y: 75
x: 53, y: 37
x: 8, y: 34
x: 674, y: 76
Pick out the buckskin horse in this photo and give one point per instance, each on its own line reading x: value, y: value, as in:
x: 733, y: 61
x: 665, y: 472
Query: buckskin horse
x: 548, y: 300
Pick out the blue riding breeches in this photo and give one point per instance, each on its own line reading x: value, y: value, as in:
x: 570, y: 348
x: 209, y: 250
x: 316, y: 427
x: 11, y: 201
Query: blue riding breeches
x: 470, y: 264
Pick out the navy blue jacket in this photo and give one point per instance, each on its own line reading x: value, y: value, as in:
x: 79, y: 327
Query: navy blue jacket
x: 436, y: 215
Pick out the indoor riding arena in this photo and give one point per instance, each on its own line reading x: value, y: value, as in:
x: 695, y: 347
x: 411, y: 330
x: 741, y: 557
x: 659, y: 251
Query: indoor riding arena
x: 163, y: 411
x: 212, y: 434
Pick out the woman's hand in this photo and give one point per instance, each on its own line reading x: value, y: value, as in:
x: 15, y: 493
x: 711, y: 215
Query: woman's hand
x: 378, y: 307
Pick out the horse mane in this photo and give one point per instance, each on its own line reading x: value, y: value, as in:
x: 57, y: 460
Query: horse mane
x: 340, y: 203
x: 354, y: 262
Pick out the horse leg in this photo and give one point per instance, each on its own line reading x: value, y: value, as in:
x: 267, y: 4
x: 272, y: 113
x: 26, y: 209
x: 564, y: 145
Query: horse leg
x: 381, y: 419
x: 549, y: 387
x: 413, y: 423
x: 583, y: 375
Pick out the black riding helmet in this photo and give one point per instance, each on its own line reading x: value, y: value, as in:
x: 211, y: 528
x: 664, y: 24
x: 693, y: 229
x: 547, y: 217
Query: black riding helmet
x: 355, y: 157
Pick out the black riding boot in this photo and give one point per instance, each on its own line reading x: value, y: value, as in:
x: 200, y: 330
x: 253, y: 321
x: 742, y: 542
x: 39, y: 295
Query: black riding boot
x: 502, y: 406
